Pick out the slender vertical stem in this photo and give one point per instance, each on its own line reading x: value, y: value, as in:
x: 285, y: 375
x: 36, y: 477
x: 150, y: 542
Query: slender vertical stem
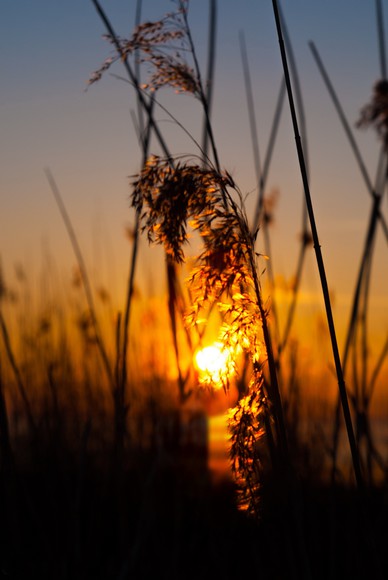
x: 352, y: 326
x: 270, y: 146
x: 252, y: 116
x: 118, y: 349
x: 259, y: 176
x: 381, y: 35
x: 320, y: 263
x: 297, y: 89
x: 210, y: 70
x: 202, y: 95
x: 140, y: 116
x: 145, y: 140
x: 380, y: 361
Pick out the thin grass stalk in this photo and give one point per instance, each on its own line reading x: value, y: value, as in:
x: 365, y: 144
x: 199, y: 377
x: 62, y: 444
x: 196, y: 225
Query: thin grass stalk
x: 273, y: 387
x: 172, y: 117
x: 84, y: 274
x: 17, y: 373
x: 376, y: 371
x: 259, y: 206
x: 260, y: 178
x: 364, y: 327
x: 138, y: 120
x: 270, y: 149
x: 140, y: 117
x: 128, y: 304
x: 271, y: 279
x: 135, y: 122
x: 131, y: 281
x: 252, y: 123
x: 362, y: 404
x: 281, y: 342
x: 355, y: 359
x: 118, y: 349
x: 340, y: 378
x: 349, y: 340
x: 211, y: 59
x: 202, y: 94
x: 297, y: 92
x: 381, y: 38
x: 263, y: 176
x: 172, y: 301
x: 320, y: 263
x: 368, y: 245
x: 348, y: 132
x: 305, y: 236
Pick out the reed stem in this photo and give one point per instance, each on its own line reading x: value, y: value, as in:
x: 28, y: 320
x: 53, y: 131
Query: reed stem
x: 320, y: 263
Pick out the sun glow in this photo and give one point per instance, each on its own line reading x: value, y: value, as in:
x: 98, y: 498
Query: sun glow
x: 215, y: 365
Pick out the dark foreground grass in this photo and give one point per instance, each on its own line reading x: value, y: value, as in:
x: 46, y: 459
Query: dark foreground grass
x: 71, y: 513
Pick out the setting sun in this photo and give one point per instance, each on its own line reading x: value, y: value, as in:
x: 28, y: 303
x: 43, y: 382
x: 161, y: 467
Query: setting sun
x: 214, y: 364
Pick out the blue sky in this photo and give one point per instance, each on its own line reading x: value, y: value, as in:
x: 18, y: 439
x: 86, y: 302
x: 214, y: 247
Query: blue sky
x: 48, y: 50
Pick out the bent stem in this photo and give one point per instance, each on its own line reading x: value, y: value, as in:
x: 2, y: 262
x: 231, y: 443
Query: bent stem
x: 84, y: 274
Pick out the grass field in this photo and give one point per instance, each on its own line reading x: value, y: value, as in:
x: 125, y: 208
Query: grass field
x: 128, y: 450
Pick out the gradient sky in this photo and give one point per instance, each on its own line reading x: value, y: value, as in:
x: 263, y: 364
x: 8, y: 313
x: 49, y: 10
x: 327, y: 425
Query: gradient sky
x: 48, y: 49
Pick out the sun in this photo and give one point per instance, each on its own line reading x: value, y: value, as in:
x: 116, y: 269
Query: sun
x: 215, y: 365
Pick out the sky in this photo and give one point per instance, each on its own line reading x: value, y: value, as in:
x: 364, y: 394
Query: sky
x: 48, y: 50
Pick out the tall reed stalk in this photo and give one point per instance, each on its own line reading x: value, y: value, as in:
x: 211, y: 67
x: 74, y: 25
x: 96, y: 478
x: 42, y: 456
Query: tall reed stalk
x: 376, y: 191
x: 319, y: 257
x: 209, y: 86
x: 261, y: 218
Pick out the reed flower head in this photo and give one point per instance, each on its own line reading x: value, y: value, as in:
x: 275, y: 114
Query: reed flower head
x: 167, y: 197
x: 246, y: 428
x: 171, y: 199
x: 162, y: 46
